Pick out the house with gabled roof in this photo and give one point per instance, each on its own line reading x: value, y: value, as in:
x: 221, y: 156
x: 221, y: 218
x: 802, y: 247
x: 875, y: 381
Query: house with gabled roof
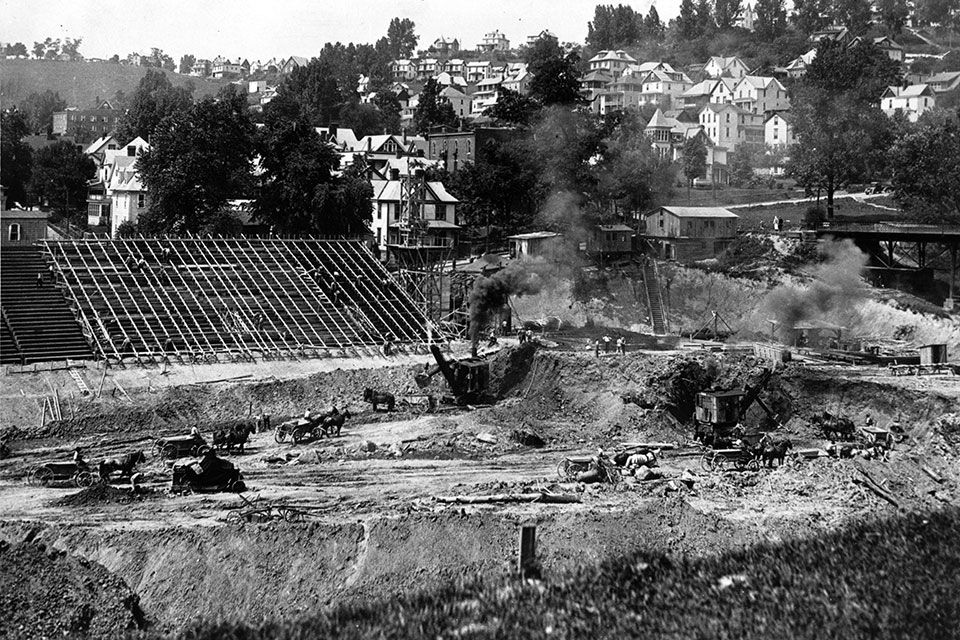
x: 293, y: 62
x: 613, y: 62
x: 725, y: 67
x: 461, y: 103
x: 477, y: 70
x: 662, y: 87
x: 723, y: 91
x: 759, y: 94
x: 730, y: 126
x: 439, y: 212
x: 797, y: 67
x: 944, y: 81
x: 912, y: 101
x: 778, y: 130
x: 670, y: 130
x: 593, y: 84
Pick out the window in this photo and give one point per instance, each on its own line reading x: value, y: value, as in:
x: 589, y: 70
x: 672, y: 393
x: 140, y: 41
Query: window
x: 131, y: 150
x: 141, y: 200
x: 441, y: 212
x: 13, y: 233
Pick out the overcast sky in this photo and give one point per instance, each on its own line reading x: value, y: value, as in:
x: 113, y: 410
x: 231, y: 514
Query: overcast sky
x: 263, y: 29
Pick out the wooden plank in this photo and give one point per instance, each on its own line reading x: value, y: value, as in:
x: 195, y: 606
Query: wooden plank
x: 550, y: 498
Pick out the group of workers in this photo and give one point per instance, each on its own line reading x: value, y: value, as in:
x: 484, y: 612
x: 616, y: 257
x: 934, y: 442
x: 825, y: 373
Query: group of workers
x: 605, y: 343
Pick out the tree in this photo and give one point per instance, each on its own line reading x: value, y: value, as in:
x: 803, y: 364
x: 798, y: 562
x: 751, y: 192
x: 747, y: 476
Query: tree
x: 39, y: 109
x: 315, y: 87
x: 614, y: 27
x: 432, y: 110
x: 59, y: 178
x: 809, y: 15
x: 856, y: 15
x: 706, y: 21
x: 498, y: 190
x: 198, y: 159
x: 694, y: 160
x: 52, y: 48
x: 942, y: 12
x: 926, y: 163
x: 556, y: 76
x: 401, y: 38
x: 512, y: 108
x: 72, y: 48
x: 389, y: 105
x: 653, y: 27
x: 842, y: 134
x: 893, y: 15
x: 631, y: 176
x: 364, y: 119
x: 687, y: 24
x: 155, y: 99
x: 17, y: 50
x: 115, y: 58
x: 186, y: 63
x: 771, y: 20
x: 16, y: 159
x: 741, y: 166
x: 38, y: 50
x: 299, y: 191
x: 727, y: 12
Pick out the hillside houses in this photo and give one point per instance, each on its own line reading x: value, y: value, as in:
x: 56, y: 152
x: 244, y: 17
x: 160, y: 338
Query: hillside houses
x: 758, y: 94
x: 612, y: 62
x: 725, y: 67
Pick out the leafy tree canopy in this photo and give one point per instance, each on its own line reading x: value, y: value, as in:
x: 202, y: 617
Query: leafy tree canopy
x: 16, y: 158
x: 59, y: 178
x: 38, y: 108
x: 401, y: 38
x: 198, y: 159
x: 926, y: 163
x: 556, y: 75
x: 155, y: 99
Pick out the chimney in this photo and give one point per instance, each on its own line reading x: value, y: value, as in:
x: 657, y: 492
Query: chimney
x: 394, y: 174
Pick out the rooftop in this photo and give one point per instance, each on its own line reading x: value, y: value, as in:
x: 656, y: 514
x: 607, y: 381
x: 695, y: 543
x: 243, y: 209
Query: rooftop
x: 699, y: 212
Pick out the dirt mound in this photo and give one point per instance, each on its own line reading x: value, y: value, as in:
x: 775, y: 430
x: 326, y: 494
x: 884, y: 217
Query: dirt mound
x: 46, y: 593
x: 102, y: 493
x: 509, y: 368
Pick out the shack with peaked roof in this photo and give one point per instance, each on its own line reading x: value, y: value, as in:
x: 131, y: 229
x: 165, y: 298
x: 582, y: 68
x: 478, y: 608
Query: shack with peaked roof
x: 685, y: 234
x: 531, y: 244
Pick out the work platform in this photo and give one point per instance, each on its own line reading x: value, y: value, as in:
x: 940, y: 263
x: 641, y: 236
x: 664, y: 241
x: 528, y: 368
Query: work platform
x: 201, y: 299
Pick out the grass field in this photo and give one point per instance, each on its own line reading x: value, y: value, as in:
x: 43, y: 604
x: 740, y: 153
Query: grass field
x: 80, y: 83
x: 887, y: 578
x: 868, y: 211
x: 732, y: 195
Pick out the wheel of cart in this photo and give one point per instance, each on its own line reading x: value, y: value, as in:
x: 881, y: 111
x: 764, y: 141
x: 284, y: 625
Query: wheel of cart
x: 83, y: 479
x: 709, y: 461
x: 281, y: 433
x: 299, y: 435
x: 41, y: 476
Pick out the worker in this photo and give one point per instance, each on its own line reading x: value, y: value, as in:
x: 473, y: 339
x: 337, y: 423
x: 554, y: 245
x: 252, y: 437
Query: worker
x: 503, y: 328
x: 492, y: 338
x: 521, y: 335
x: 621, y: 343
x: 195, y: 433
x: 606, y: 344
x: 596, y: 347
x: 40, y: 280
x: 53, y: 274
x: 142, y: 264
x: 387, y: 346
x: 78, y: 459
x: 126, y: 346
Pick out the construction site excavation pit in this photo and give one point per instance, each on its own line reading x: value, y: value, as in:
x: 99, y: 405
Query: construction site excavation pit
x: 436, y: 494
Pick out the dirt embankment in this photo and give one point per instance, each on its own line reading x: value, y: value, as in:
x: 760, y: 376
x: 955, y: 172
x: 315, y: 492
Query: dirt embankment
x: 46, y: 593
x: 259, y: 572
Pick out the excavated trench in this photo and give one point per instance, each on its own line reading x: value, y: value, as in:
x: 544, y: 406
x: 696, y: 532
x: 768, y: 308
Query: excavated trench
x: 274, y: 571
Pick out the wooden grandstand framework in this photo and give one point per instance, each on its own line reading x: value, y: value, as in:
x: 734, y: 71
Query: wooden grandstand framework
x: 239, y: 298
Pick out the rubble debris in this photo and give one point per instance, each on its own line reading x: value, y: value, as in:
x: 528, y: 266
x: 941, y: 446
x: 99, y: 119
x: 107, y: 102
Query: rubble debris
x: 527, y: 438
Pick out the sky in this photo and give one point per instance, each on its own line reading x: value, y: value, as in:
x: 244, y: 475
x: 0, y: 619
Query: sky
x: 263, y: 29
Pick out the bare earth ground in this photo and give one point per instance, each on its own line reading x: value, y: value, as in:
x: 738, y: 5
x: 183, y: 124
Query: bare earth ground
x: 375, y: 526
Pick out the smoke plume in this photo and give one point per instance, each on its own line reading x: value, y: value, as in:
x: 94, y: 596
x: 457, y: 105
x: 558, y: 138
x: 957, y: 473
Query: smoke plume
x: 490, y: 294
x: 832, y: 296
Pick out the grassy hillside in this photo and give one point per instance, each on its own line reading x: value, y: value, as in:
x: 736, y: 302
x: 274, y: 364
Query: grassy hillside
x: 79, y: 83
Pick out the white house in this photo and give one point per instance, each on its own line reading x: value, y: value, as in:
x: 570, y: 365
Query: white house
x: 912, y: 100
x: 404, y: 69
x: 723, y: 91
x: 729, y: 126
x: 494, y: 41
x: 798, y: 66
x: 778, y: 130
x: 462, y: 103
x: 759, y: 94
x: 439, y: 211
x: 720, y: 66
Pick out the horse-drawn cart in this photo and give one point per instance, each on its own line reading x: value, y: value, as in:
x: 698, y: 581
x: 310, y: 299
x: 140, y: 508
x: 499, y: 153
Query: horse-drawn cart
x: 180, y: 447
x: 58, y: 472
x: 740, y: 459
x: 327, y: 424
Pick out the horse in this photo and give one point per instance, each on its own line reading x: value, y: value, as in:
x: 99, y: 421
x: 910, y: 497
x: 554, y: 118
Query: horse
x: 835, y: 427
x: 376, y: 398
x: 124, y: 465
x: 334, y: 422
x: 775, y: 450
x: 236, y: 436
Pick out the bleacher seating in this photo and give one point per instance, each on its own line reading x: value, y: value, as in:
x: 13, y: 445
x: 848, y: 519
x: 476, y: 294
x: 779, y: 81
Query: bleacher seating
x: 37, y: 324
x: 240, y: 298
